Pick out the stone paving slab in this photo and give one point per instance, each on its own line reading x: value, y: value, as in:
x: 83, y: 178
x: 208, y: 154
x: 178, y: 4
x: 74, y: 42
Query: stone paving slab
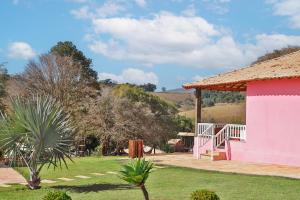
x: 187, y: 160
x: 66, y: 179
x: 10, y: 176
x: 115, y: 173
x: 4, y: 185
x: 47, y: 181
x: 82, y: 177
x: 159, y: 167
x: 97, y: 174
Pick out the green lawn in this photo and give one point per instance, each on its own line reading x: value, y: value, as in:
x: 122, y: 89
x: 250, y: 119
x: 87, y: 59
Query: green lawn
x: 164, y: 184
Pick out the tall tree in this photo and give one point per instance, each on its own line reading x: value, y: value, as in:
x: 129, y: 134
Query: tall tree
x: 59, y: 77
x: 67, y: 48
x: 159, y: 124
x: 53, y: 75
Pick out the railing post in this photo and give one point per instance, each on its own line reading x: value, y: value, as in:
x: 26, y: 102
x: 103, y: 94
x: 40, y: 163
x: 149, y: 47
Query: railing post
x: 212, y: 142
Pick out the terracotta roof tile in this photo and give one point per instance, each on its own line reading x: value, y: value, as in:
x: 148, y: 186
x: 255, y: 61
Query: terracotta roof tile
x: 287, y: 66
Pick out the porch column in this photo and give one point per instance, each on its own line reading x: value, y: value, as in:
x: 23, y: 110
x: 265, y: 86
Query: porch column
x: 198, y: 109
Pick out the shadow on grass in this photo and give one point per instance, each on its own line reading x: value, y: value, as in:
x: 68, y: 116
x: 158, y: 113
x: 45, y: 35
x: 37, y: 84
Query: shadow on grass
x: 94, y: 187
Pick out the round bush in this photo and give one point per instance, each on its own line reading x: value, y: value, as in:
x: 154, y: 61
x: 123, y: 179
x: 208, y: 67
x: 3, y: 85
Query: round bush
x: 57, y: 195
x: 204, y: 195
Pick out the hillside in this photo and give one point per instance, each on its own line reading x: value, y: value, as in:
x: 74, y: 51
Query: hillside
x: 184, y: 101
x: 221, y: 113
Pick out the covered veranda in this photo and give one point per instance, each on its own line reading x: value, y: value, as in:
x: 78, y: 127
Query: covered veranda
x: 214, y: 135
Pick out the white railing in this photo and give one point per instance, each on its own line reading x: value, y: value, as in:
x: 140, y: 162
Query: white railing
x: 230, y: 131
x: 206, y: 133
x: 202, y: 128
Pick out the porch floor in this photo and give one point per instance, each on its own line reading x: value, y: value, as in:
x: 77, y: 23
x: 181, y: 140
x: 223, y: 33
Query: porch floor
x: 187, y: 160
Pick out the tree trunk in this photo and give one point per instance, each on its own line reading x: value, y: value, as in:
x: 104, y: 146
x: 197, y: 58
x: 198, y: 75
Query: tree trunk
x: 34, y: 182
x: 146, y: 195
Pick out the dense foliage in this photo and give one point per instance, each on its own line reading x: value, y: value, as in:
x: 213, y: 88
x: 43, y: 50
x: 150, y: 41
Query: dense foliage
x: 149, y: 87
x: 128, y: 112
x: 204, y: 195
x: 277, y: 53
x: 210, y: 98
x: 56, y: 195
x: 184, y: 124
x: 68, y: 49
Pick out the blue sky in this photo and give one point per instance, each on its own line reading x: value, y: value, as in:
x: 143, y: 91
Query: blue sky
x: 166, y: 42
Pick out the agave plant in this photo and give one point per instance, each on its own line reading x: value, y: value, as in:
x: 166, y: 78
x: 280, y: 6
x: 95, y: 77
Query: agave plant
x: 136, y: 172
x: 38, y: 132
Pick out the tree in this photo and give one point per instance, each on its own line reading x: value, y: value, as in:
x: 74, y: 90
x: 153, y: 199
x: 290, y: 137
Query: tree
x: 52, y: 75
x: 68, y: 49
x: 39, y: 132
x: 277, y: 53
x: 4, y: 77
x: 158, y: 125
x: 108, y: 82
x: 149, y: 87
x: 184, y: 123
x: 163, y: 89
x: 119, y: 120
x: 59, y: 77
x: 136, y: 173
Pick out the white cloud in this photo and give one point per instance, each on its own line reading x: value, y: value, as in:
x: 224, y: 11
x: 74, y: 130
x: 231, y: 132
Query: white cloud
x: 190, y: 11
x: 217, y: 6
x: 198, y: 78
x: 288, y: 8
x: 89, y: 11
x: 20, y: 50
x: 141, y: 3
x: 131, y: 75
x: 182, y: 40
x: 82, y: 13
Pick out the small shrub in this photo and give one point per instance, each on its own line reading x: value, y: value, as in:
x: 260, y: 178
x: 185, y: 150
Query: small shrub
x: 168, y: 148
x: 57, y: 195
x: 204, y: 195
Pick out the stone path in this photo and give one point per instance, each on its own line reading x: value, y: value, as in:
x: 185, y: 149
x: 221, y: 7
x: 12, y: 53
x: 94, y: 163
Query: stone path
x: 10, y: 176
x: 82, y: 177
x: 66, y: 179
x: 187, y: 160
x: 115, y: 173
x: 97, y: 174
x: 47, y: 181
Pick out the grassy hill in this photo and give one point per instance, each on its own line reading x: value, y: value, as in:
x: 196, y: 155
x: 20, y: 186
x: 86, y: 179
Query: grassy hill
x: 221, y: 113
x: 184, y: 101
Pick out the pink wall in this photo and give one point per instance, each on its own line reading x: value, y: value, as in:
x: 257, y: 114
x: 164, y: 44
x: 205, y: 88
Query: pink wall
x: 200, y: 150
x: 273, y: 123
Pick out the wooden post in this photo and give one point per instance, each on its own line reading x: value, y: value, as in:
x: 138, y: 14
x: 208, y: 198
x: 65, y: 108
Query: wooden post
x: 135, y: 148
x: 198, y: 109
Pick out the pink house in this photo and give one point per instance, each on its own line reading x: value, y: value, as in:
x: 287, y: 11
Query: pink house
x: 272, y: 130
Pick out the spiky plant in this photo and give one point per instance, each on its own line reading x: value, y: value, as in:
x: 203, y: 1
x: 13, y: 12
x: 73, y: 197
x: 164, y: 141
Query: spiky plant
x: 136, y: 172
x: 37, y: 131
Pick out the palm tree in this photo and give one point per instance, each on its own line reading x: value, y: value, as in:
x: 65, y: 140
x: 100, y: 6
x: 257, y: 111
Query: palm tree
x: 137, y: 172
x: 38, y: 132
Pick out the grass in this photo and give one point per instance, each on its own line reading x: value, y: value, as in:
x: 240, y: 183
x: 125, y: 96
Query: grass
x: 222, y: 113
x: 163, y: 184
